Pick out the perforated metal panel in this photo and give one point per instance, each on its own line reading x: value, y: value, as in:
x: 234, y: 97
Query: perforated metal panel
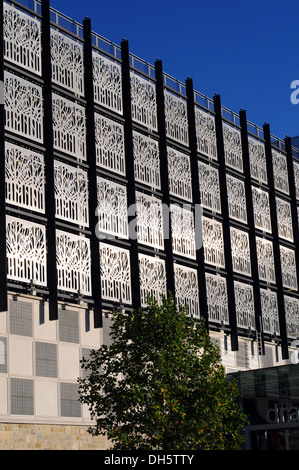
x: 20, y: 318
x: 21, y: 397
x: 69, y: 400
x: 68, y: 326
x: 46, y: 359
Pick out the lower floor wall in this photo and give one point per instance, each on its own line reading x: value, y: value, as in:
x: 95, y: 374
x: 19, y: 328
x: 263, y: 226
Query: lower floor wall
x: 48, y: 437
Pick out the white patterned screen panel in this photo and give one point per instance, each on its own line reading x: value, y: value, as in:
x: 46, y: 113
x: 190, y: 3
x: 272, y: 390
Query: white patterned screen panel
x: 183, y: 231
x: 217, y: 299
x: 71, y: 193
x: 26, y: 251
x: 296, y: 176
x: 149, y: 220
x: 73, y: 263
x: 69, y: 127
x: 284, y: 219
x: 143, y: 100
x: 23, y: 107
x: 288, y: 267
x: 152, y: 278
x: 115, y: 274
x: 209, y: 187
x: 205, y: 133
x: 146, y: 160
x: 269, y: 307
x: 261, y: 208
x: 67, y: 62
x: 236, y: 198
x: 186, y: 288
x: 244, y: 305
x: 179, y: 174
x: 291, y: 305
x: 232, y: 147
x: 213, y: 242
x: 112, y: 208
x: 176, y: 118
x: 280, y: 170
x: 265, y: 258
x: 110, y: 145
x: 240, y: 251
x: 24, y: 178
x: 107, y: 81
x: 257, y: 156
x: 22, y: 39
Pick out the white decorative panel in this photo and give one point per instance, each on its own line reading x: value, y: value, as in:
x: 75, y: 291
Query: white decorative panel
x: 186, y: 288
x: 183, y: 231
x: 280, y: 170
x: 284, y: 219
x: 107, y: 81
x: 209, y: 187
x: 261, y: 208
x: 26, y: 251
x: 67, y: 62
x: 23, y: 107
x: 110, y: 145
x: 22, y: 39
x: 206, y: 133
x: 240, y: 251
x: 176, y: 118
x: 143, y: 99
x: 269, y: 307
x: 71, y: 193
x: 232, y: 147
x: 146, y: 160
x: 213, y: 242
x: 236, y: 198
x: 258, y: 166
x: 244, y: 305
x: 291, y: 305
x: 69, y: 127
x: 265, y: 260
x: 115, y: 274
x: 217, y: 299
x: 149, y: 220
x: 24, y: 178
x: 152, y: 278
x: 73, y: 263
x: 288, y: 267
x: 179, y: 174
x: 296, y: 177
x: 112, y: 208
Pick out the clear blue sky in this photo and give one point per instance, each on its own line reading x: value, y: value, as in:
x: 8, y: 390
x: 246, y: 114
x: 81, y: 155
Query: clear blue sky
x: 246, y: 51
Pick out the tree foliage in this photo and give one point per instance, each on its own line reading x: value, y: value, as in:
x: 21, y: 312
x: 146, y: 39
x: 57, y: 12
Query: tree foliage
x: 161, y: 385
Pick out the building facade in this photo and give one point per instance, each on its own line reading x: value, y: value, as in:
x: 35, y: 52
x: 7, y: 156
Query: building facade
x: 118, y: 182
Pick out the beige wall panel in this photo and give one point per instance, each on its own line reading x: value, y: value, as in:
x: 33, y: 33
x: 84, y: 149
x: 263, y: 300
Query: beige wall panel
x: 20, y: 357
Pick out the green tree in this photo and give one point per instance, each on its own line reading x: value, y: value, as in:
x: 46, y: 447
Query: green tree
x: 161, y: 385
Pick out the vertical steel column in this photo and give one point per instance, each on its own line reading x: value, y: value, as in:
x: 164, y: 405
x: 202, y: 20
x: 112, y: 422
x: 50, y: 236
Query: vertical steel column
x: 196, y: 198
x: 164, y: 175
x: 226, y: 225
x: 252, y: 235
x: 3, y: 260
x: 92, y: 175
x: 276, y: 250
x: 292, y: 186
x: 49, y: 162
x: 129, y: 152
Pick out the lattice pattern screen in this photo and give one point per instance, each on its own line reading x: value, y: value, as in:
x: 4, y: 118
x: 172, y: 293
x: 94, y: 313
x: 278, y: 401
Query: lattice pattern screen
x: 186, y: 288
x: 176, y: 118
x: 67, y: 62
x: 261, y: 207
x: 112, y: 208
x: 288, y: 267
x: 71, y: 193
x: 291, y: 305
x: 236, y: 199
x: 179, y: 174
x: 280, y: 170
x: 265, y: 259
x: 183, y: 231
x: 26, y: 251
x: 296, y: 176
x: 110, y: 149
x: 107, y: 80
x: 244, y: 305
x: 206, y: 133
x: 269, y: 307
x: 152, y: 278
x: 240, y: 251
x: 24, y: 178
x: 115, y: 274
x: 213, y: 242
x: 22, y: 39
x: 284, y: 219
x: 149, y: 220
x: 209, y: 187
x: 217, y: 298
x: 232, y: 147
x: 258, y: 167
x: 23, y: 107
x: 143, y: 98
x: 146, y: 160
x: 73, y: 263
